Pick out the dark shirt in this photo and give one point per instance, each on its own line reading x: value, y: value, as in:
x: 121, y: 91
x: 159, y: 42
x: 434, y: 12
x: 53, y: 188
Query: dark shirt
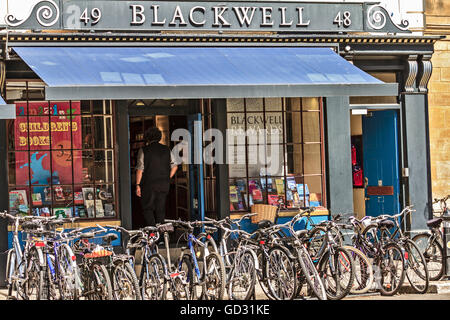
x: 156, y: 161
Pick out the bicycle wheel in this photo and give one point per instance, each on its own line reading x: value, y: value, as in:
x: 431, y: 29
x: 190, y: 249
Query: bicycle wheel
x: 242, y: 280
x: 214, y: 278
x: 281, y: 274
x: 99, y: 283
x: 311, y: 274
x: 316, y: 242
x: 262, y: 279
x: 363, y: 271
x: 12, y: 275
x: 69, y: 273
x: 152, y: 280
x: 391, y: 269
x: 124, y: 282
x: 337, y: 273
x: 186, y: 285
x: 35, y: 283
x: 416, y: 267
x: 433, y: 253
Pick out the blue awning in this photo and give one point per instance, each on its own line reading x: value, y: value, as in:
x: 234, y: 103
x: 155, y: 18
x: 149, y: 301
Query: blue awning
x: 207, y: 72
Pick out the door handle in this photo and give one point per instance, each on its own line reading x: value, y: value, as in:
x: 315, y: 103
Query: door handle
x: 367, y: 198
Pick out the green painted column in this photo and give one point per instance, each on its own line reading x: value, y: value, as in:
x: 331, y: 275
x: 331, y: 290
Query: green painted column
x: 338, y: 155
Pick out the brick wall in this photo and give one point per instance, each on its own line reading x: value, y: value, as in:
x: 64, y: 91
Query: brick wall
x: 437, y: 22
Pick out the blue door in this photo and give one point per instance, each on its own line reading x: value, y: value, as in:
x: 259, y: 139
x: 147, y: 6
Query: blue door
x: 381, y: 162
x: 196, y: 187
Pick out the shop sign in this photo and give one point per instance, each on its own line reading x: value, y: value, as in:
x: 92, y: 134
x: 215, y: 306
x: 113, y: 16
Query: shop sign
x: 119, y: 15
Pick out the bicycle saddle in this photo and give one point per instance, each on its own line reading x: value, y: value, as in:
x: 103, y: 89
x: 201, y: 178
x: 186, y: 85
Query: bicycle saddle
x: 264, y: 224
x: 387, y: 223
x: 434, y: 223
x: 110, y: 237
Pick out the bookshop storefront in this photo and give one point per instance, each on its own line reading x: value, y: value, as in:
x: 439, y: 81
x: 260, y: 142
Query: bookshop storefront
x: 267, y: 89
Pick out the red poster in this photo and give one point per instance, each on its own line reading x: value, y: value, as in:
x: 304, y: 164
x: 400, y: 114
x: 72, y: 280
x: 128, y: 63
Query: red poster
x: 42, y: 127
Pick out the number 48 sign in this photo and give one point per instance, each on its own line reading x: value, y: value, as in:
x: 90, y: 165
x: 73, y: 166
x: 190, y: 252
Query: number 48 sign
x: 342, y: 19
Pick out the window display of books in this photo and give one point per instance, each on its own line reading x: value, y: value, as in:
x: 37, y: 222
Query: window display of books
x: 293, y: 191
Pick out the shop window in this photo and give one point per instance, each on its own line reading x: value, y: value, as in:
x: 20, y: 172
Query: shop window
x: 61, y: 159
x: 275, y: 149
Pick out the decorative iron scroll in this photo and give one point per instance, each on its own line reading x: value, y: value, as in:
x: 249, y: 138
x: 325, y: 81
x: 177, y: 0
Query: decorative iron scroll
x: 47, y: 14
x: 379, y: 19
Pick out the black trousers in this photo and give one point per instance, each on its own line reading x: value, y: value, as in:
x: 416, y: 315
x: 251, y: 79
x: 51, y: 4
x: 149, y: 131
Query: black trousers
x: 154, y: 206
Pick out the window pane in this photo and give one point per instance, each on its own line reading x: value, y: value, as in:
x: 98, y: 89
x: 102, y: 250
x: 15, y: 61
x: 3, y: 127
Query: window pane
x: 273, y: 104
x: 293, y: 127
x: 85, y: 107
x: 310, y: 104
x: 103, y: 132
x: 235, y: 105
x: 311, y: 127
x: 238, y: 195
x: 19, y: 172
x: 313, y: 163
x: 99, y: 107
x: 294, y: 159
x: 103, y: 162
x: 293, y: 104
x: 314, y: 184
x: 62, y: 167
x: 254, y: 104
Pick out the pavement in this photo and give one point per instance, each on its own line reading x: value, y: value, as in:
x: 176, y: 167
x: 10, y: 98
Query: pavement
x: 438, y: 290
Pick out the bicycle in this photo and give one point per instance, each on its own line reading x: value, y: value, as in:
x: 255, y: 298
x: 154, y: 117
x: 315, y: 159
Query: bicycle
x: 240, y: 261
x: 241, y: 275
x: 158, y: 276
x: 205, y: 269
x: 125, y: 285
x: 24, y: 267
x: 306, y: 272
x: 414, y: 259
x: 95, y: 279
x: 431, y: 246
x: 334, y: 262
x: 388, y: 260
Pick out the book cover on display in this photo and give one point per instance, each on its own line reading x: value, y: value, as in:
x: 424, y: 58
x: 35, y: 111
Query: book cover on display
x: 80, y: 212
x: 279, y: 183
x: 36, y: 198
x: 109, y: 210
x: 272, y: 199
x: 89, y: 205
x: 62, y: 213
x: 99, y: 210
x: 45, y: 212
x: 78, y: 198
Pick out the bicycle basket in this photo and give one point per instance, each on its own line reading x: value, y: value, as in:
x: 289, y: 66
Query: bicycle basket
x: 264, y: 212
x: 98, y: 254
x: 167, y: 227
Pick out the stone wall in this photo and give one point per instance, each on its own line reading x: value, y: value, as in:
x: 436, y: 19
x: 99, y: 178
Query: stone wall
x: 437, y: 22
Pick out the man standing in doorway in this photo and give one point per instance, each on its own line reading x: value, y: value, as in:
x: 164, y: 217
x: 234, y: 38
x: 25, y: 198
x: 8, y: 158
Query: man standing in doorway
x: 154, y: 170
